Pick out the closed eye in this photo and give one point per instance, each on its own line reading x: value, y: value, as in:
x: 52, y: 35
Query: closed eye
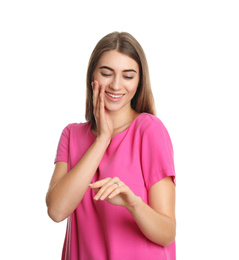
x: 105, y: 74
x: 127, y: 77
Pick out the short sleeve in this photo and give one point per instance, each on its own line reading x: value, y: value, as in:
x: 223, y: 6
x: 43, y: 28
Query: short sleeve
x: 62, y: 153
x: 157, y: 157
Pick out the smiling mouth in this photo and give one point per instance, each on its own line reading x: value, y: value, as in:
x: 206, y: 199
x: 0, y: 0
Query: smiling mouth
x: 114, y: 95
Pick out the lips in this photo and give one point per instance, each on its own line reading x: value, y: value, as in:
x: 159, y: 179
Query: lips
x: 114, y: 97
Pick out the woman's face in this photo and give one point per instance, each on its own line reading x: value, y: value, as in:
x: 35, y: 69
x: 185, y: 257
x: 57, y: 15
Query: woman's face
x: 120, y: 75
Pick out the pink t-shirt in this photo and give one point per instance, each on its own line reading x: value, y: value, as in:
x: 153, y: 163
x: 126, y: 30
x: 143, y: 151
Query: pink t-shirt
x: 140, y: 156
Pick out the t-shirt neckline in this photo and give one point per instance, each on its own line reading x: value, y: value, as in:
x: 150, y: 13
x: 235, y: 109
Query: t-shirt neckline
x: 124, y: 131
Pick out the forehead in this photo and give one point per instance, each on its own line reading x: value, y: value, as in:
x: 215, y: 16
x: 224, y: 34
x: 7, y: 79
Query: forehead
x: 117, y: 61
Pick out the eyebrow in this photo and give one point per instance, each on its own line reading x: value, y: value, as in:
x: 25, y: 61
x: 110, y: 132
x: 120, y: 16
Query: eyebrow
x: 108, y: 68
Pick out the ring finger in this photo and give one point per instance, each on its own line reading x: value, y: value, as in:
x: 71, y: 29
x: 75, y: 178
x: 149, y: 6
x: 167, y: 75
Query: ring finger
x: 107, y: 189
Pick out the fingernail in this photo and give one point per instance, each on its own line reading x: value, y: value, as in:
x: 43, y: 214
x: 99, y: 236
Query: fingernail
x: 96, y: 197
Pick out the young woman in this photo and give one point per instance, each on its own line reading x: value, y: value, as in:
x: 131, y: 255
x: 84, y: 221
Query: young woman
x: 114, y: 175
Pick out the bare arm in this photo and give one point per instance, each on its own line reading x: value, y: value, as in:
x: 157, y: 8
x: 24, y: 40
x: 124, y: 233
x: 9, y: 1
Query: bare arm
x: 156, y: 220
x: 66, y: 190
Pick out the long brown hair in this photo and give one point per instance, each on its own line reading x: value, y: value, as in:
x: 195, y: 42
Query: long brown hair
x: 125, y: 43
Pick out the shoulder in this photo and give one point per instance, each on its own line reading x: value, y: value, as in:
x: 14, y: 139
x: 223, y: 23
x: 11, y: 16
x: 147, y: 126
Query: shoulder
x: 74, y: 128
x: 148, y: 123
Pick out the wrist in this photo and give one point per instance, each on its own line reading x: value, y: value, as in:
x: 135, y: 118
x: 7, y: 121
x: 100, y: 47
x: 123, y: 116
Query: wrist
x: 136, y: 205
x: 104, y: 140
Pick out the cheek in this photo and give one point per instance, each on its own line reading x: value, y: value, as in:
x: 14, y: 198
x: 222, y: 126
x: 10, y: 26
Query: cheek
x: 101, y: 80
x: 132, y: 87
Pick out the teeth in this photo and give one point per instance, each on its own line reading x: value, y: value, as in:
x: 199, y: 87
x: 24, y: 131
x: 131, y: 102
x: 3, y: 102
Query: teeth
x: 114, y: 96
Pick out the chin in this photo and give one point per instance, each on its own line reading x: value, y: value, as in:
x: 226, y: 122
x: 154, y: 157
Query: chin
x: 111, y: 108
x: 114, y: 107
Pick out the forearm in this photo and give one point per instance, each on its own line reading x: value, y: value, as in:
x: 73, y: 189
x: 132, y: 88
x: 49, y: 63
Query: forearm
x: 155, y: 226
x: 67, y: 193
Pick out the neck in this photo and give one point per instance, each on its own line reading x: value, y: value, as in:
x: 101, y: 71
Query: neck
x: 122, y: 119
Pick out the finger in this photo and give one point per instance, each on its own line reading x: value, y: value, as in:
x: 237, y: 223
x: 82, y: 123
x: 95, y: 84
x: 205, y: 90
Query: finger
x: 115, y: 192
x: 95, y: 190
x: 103, y: 187
x: 95, y: 95
x: 111, y: 189
x: 100, y: 193
x: 102, y: 102
x: 100, y: 183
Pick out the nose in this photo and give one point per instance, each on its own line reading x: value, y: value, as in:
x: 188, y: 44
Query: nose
x: 116, y: 84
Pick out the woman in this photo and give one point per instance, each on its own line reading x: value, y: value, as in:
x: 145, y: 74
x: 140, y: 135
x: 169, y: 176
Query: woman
x: 114, y: 175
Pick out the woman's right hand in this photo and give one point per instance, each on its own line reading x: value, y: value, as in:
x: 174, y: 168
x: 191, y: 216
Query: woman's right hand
x: 104, y: 123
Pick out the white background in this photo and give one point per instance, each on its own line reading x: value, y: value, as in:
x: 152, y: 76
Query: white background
x: 193, y: 55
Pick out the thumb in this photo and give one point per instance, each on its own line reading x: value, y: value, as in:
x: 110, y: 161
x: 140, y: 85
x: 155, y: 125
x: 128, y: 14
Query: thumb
x: 94, y: 189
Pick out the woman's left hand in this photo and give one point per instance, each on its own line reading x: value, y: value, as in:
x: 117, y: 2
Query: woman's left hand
x: 114, y: 191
